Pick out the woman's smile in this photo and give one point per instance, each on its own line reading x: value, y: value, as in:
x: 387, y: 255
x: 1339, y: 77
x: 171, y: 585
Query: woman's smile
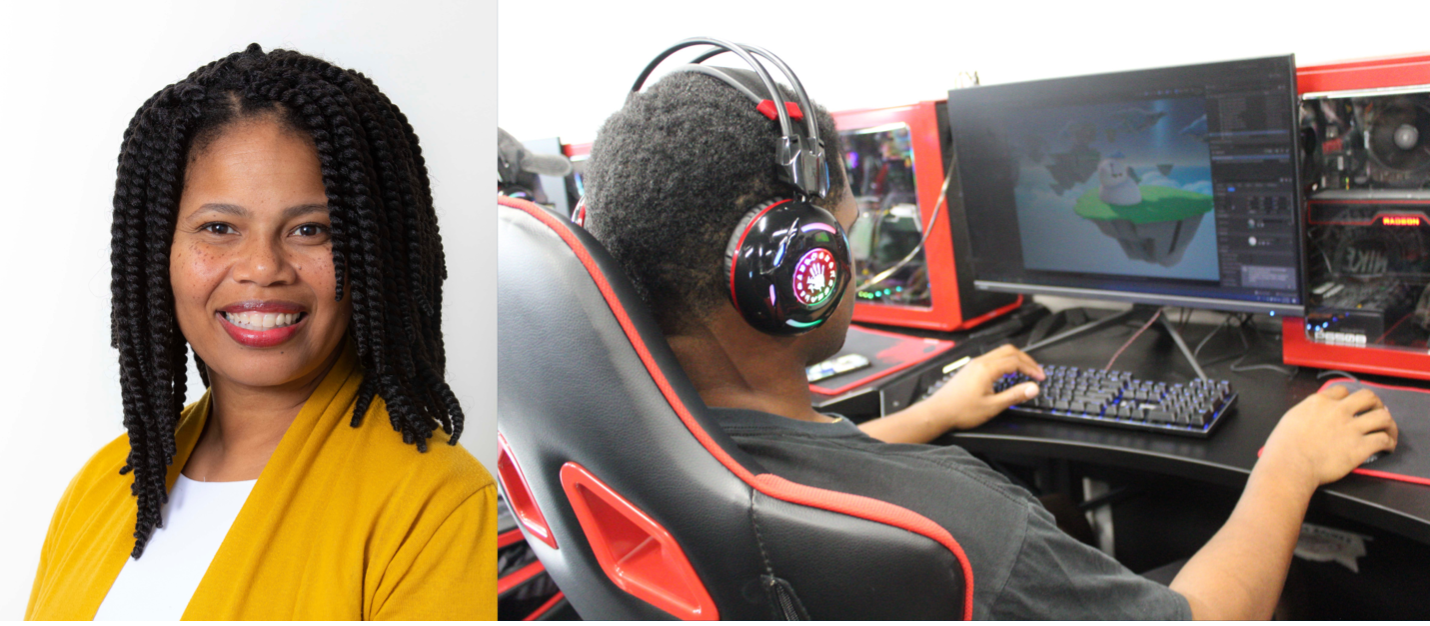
x: 262, y: 323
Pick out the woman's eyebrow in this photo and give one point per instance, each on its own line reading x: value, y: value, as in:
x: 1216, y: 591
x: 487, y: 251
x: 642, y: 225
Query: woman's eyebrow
x: 231, y: 209
x: 288, y: 213
x: 303, y: 209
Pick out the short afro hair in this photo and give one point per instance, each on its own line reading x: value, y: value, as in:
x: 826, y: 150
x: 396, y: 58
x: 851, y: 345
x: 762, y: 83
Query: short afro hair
x: 671, y: 174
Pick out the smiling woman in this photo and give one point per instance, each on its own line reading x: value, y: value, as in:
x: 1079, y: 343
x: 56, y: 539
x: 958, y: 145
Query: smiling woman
x: 273, y: 213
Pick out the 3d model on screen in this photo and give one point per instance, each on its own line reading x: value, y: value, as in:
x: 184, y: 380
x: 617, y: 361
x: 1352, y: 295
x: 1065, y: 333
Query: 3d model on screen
x: 1154, y: 223
x: 1139, y: 172
x: 1077, y: 164
x: 1119, y: 182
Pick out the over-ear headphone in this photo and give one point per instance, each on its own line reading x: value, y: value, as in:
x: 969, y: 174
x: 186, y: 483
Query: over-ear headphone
x: 788, y: 260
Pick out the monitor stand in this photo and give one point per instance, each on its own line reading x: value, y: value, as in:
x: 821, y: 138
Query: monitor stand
x: 1139, y: 311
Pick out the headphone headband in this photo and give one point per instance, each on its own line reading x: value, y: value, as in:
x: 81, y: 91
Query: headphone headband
x: 811, y: 125
x: 801, y: 159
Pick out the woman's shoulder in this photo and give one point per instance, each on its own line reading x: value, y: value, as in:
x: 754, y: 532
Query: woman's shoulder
x: 100, y: 480
x: 101, y: 472
x: 442, y: 465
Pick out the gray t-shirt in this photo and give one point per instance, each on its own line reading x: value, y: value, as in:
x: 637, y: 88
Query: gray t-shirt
x: 1024, y: 567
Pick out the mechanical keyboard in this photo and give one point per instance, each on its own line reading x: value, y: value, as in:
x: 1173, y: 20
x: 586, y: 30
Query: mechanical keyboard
x: 1120, y: 400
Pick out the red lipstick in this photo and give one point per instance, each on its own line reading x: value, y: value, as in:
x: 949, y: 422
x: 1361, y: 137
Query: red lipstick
x: 262, y: 338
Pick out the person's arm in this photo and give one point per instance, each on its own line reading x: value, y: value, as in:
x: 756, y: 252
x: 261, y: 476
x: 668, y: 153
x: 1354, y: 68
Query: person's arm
x: 445, y: 570
x: 34, y: 610
x: 964, y: 402
x: 1238, y: 575
x: 41, y: 574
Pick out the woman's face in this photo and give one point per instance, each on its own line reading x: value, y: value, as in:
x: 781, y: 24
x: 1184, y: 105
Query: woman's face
x: 252, y: 259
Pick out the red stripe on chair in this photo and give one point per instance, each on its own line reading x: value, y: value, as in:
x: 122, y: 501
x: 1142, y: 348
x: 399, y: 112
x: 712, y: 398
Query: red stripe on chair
x: 509, y: 537
x: 873, y: 510
x: 848, y: 504
x: 519, y: 577
x: 545, y: 606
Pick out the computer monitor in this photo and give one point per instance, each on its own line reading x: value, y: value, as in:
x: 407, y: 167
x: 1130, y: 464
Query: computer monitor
x: 1171, y: 187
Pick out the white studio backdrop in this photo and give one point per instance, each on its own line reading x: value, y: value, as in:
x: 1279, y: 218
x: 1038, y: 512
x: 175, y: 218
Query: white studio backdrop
x: 576, y: 59
x: 71, y: 76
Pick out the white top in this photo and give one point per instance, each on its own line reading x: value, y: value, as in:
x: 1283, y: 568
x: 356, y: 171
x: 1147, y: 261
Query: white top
x: 158, y: 585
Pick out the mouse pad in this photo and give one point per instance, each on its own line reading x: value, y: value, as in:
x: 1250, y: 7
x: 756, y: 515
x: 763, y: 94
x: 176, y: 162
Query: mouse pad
x: 1411, y: 409
x: 887, y: 353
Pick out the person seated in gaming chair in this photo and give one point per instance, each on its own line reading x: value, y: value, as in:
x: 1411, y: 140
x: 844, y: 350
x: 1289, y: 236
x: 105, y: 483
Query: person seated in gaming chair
x: 671, y: 176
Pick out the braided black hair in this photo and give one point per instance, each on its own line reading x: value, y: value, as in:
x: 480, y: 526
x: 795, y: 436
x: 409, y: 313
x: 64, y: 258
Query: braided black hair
x: 670, y: 175
x: 387, y: 253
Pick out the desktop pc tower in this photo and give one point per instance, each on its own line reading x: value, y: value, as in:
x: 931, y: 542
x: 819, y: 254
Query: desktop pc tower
x: 897, y: 160
x: 1366, y: 169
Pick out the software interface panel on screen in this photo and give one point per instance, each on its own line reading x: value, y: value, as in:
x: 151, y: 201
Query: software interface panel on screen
x: 1174, y: 186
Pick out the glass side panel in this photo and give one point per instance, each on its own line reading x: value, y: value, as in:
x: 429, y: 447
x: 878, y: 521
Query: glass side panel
x: 880, y: 163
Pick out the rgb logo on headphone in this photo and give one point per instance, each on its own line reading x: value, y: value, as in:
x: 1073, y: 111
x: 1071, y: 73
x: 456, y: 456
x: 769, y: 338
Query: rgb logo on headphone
x: 815, y: 277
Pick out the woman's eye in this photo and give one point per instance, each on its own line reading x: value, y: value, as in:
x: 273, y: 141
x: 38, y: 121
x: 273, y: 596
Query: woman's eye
x: 311, y: 230
x: 217, y: 228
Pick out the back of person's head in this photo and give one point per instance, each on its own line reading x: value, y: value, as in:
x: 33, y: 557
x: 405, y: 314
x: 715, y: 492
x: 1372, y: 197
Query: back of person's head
x: 672, y: 173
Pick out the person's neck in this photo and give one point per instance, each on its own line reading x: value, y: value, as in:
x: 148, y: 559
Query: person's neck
x: 246, y: 424
x: 734, y: 366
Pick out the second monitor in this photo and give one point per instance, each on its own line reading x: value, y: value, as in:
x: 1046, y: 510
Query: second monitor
x: 1174, y: 186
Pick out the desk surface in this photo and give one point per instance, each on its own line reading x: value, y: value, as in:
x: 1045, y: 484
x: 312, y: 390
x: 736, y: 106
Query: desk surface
x: 1228, y: 456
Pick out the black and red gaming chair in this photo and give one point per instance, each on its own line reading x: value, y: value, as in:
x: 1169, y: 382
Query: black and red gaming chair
x: 636, y: 503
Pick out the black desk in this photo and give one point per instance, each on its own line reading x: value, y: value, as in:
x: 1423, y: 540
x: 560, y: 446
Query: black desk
x: 1228, y: 456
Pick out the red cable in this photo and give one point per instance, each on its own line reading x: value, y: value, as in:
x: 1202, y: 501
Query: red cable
x: 1132, y: 339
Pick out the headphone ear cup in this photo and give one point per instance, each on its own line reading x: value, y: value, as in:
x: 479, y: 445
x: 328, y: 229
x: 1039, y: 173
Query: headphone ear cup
x: 788, y: 265
x: 737, y: 236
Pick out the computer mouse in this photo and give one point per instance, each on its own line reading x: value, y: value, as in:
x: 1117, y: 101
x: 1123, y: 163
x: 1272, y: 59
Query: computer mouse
x: 1401, y: 447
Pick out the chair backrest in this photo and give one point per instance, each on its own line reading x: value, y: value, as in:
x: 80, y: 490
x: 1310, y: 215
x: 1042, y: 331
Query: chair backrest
x: 637, y: 503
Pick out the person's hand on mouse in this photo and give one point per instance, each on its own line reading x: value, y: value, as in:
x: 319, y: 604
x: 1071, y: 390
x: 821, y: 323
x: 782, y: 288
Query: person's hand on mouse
x: 968, y: 400
x: 1329, y: 434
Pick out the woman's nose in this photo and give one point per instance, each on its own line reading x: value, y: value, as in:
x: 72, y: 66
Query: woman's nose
x: 262, y: 261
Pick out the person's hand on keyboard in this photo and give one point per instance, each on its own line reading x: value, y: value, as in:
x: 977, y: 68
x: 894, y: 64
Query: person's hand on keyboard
x: 1331, y: 433
x: 967, y: 400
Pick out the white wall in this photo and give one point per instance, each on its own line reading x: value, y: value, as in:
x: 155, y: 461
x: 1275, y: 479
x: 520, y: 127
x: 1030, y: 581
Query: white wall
x: 853, y: 55
x: 71, y: 76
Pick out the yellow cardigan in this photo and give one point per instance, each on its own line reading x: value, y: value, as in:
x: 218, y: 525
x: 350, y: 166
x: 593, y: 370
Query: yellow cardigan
x: 344, y: 523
